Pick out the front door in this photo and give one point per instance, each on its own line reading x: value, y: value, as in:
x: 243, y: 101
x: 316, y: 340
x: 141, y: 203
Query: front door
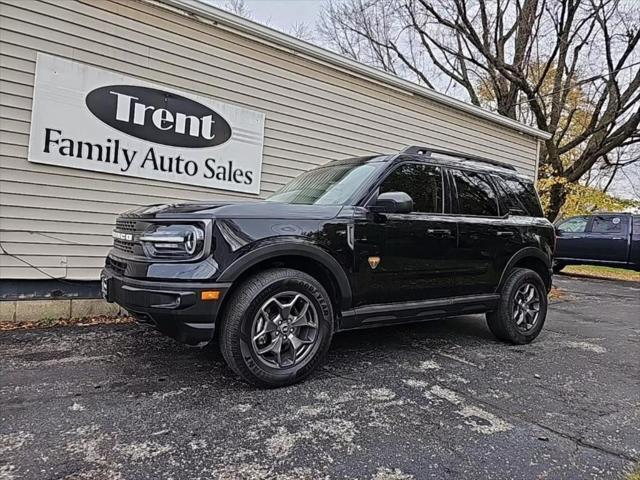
x: 570, y: 238
x: 407, y: 257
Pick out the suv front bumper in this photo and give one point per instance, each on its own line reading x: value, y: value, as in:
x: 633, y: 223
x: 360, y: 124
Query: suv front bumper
x: 174, y: 308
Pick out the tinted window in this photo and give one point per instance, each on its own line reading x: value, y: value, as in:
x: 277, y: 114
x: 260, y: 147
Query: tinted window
x: 606, y: 225
x: 475, y: 194
x: 423, y: 183
x: 526, y: 195
x: 574, y: 225
x: 508, y: 201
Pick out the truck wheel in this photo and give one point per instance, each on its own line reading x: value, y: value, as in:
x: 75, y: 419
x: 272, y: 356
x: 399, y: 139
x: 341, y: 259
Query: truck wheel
x: 557, y: 267
x: 522, y: 308
x: 277, y: 327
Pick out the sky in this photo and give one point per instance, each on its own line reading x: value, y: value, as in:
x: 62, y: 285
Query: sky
x: 281, y: 14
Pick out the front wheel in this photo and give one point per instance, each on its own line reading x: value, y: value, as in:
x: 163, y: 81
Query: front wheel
x: 277, y: 327
x: 522, y: 308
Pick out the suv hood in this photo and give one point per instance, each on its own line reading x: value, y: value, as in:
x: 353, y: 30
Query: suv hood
x: 237, y: 209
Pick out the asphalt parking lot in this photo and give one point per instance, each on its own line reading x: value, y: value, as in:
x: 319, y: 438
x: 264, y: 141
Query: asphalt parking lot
x: 436, y: 400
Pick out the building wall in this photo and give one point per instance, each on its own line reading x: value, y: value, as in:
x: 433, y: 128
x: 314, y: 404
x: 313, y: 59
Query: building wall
x: 60, y: 220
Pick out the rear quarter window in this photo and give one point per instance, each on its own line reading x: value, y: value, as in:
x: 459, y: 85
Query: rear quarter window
x: 526, y: 195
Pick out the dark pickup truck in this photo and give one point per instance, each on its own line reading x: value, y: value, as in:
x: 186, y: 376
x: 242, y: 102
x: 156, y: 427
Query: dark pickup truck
x: 611, y: 239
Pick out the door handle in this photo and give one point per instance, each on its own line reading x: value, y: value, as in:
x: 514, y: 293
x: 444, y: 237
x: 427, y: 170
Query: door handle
x: 505, y: 234
x: 438, y: 231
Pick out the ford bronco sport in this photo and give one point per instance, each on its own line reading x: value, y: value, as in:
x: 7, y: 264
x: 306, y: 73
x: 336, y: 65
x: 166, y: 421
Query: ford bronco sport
x: 356, y: 243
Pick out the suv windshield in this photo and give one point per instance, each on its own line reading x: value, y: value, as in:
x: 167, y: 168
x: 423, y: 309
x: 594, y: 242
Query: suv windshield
x: 330, y: 185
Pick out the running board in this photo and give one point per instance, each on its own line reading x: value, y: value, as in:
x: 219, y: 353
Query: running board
x: 404, y: 312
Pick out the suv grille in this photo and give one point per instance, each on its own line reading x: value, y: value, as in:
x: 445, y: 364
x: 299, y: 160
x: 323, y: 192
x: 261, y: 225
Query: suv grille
x: 123, y: 245
x: 126, y: 226
x: 134, y: 228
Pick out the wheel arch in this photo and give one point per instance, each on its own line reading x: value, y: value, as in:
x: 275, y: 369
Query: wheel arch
x: 533, y: 259
x: 301, y: 256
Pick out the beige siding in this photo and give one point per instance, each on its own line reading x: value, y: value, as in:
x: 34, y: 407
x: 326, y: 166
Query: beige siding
x: 60, y: 220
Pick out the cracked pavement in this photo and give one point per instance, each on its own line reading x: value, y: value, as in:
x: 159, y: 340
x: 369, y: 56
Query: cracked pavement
x: 441, y: 400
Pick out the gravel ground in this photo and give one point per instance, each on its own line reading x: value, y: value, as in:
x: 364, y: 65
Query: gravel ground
x: 436, y: 400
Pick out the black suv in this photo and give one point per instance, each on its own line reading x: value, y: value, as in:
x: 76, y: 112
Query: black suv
x: 356, y: 243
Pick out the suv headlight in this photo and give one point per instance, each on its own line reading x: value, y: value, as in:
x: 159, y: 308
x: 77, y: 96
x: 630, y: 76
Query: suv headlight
x: 172, y: 241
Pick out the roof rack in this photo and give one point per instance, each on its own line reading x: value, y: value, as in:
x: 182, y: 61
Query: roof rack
x: 418, y: 150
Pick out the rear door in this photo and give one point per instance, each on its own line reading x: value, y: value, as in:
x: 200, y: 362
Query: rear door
x: 607, y: 238
x: 487, y: 237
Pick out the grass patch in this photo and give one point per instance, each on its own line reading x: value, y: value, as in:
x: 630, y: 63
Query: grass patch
x: 603, y: 272
x: 635, y: 474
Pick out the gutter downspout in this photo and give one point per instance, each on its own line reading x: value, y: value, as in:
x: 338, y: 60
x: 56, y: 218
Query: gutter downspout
x: 535, y: 175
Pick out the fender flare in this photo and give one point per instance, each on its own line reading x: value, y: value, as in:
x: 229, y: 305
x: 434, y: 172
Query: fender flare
x: 291, y: 248
x: 519, y: 255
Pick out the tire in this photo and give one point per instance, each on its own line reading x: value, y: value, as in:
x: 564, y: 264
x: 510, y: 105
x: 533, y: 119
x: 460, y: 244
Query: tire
x: 557, y: 267
x: 503, y: 321
x: 263, y: 297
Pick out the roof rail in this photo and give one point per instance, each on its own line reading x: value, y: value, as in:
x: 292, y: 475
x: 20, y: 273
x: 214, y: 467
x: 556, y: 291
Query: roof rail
x: 418, y: 150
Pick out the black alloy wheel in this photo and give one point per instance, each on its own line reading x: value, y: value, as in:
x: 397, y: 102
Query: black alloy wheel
x: 277, y: 327
x: 522, y: 309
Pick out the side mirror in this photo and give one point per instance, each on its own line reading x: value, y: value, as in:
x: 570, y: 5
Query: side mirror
x: 393, y: 202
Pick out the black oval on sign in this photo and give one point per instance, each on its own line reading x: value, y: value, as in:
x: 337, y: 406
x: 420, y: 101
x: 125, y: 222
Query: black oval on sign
x: 158, y: 116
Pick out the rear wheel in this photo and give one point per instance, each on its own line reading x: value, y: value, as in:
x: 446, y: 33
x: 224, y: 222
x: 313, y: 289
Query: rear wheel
x: 277, y: 327
x: 522, y: 309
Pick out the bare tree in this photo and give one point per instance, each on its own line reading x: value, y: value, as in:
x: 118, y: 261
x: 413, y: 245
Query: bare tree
x: 622, y: 162
x: 569, y: 67
x: 238, y: 7
x: 302, y: 31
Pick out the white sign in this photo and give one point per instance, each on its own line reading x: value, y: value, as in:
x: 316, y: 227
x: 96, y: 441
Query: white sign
x: 93, y: 119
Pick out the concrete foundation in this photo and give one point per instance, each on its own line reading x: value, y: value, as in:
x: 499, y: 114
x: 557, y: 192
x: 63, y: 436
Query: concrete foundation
x: 37, y: 310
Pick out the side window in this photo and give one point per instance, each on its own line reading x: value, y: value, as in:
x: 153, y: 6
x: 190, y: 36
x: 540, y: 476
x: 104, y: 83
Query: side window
x: 422, y: 182
x: 606, y: 224
x: 476, y: 195
x: 574, y: 225
x: 526, y: 194
x: 508, y: 200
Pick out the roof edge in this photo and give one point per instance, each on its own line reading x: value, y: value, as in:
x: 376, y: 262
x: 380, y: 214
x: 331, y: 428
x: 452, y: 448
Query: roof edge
x: 217, y: 15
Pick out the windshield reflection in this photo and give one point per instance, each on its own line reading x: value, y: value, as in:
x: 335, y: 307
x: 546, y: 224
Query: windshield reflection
x: 331, y: 185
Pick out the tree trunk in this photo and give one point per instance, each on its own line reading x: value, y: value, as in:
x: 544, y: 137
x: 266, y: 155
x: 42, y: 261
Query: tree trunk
x: 557, y: 196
